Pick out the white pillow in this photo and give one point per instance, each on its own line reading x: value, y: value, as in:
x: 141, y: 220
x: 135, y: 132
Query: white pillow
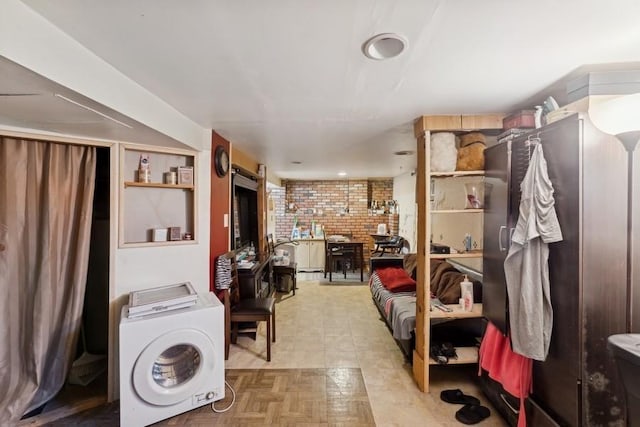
x: 444, y: 154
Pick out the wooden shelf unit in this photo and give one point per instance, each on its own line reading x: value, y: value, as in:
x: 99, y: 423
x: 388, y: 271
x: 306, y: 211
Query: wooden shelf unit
x: 470, y: 254
x: 457, y: 313
x: 456, y: 173
x: 490, y: 124
x: 455, y: 211
x: 466, y: 356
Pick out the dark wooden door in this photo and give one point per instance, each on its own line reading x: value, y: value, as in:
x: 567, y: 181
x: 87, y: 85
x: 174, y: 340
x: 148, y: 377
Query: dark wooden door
x: 495, y: 236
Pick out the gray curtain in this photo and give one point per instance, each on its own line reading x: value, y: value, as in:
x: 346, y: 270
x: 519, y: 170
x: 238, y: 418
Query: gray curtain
x: 46, y: 196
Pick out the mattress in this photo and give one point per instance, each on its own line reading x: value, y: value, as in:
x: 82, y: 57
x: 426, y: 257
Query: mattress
x: 399, y: 308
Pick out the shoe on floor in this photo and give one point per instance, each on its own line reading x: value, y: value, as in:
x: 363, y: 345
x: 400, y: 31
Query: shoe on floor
x: 458, y: 397
x: 472, y: 414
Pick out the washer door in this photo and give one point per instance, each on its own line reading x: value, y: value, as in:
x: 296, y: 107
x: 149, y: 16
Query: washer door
x: 173, y: 367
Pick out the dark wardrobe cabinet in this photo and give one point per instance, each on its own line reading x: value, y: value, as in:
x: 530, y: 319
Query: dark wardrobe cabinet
x: 578, y: 383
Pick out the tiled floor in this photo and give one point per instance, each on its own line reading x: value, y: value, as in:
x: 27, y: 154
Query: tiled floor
x: 329, y: 326
x: 326, y: 331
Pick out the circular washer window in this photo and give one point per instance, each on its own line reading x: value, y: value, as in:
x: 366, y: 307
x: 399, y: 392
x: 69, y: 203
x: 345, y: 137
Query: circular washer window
x: 173, y: 367
x: 176, y: 365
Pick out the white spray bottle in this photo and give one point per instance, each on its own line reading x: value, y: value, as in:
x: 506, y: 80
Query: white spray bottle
x: 466, y: 293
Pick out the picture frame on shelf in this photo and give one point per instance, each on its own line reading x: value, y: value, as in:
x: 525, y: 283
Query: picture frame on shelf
x: 185, y: 175
x: 174, y: 233
x: 159, y: 235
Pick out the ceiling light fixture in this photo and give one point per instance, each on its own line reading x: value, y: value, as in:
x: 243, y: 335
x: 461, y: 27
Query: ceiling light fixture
x: 342, y: 174
x: 384, y: 46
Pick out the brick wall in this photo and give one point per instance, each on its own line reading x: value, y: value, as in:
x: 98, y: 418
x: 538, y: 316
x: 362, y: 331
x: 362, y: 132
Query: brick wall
x: 326, y: 203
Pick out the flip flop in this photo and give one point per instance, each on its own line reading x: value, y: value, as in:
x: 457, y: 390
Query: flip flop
x: 458, y: 397
x: 472, y: 414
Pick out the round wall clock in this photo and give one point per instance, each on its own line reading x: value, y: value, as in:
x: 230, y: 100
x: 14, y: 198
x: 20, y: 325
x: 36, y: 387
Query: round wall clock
x: 221, y: 161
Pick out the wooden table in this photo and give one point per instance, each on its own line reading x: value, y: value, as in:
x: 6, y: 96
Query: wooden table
x: 357, y: 247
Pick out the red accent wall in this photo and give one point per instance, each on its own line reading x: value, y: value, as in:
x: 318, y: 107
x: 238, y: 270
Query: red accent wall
x: 220, y: 205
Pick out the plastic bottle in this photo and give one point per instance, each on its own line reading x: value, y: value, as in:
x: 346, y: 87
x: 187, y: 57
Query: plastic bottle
x: 466, y: 292
x: 467, y: 243
x: 144, y: 168
x: 537, y: 117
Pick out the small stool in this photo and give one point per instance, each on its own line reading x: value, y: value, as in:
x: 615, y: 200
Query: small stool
x: 281, y: 271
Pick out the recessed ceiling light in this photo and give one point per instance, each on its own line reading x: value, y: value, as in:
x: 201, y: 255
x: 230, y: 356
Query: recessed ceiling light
x: 403, y: 153
x: 342, y: 174
x: 384, y: 46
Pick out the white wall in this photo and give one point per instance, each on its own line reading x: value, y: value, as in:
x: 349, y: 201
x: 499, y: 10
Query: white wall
x: 404, y: 191
x: 142, y: 268
x: 31, y: 41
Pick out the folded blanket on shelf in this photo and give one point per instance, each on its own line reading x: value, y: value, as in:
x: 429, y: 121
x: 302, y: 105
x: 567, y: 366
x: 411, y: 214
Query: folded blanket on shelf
x: 445, y: 281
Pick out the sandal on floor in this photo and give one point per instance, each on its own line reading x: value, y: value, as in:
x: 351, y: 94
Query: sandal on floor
x: 457, y: 396
x: 472, y: 414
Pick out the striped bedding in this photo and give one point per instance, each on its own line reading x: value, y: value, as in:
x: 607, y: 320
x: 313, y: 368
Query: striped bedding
x: 399, y: 308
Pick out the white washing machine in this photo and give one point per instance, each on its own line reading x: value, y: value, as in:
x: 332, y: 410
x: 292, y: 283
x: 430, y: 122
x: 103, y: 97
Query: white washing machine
x: 171, y: 362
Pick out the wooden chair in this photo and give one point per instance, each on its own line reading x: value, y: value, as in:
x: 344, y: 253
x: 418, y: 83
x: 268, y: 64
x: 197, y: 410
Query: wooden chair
x: 394, y: 245
x: 239, y: 310
x: 270, y: 244
x: 282, y: 271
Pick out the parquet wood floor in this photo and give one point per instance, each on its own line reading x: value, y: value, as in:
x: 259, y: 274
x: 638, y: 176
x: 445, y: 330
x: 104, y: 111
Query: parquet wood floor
x: 331, y: 347
x: 274, y: 397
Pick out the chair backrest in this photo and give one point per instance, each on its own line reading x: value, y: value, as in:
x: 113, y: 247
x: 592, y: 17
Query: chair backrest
x: 395, y: 240
x: 337, y: 249
x: 394, y: 243
x: 399, y: 244
x: 234, y: 288
x: 270, y: 244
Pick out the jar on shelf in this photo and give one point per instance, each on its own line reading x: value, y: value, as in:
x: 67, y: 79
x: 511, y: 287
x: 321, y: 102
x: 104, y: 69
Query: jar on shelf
x: 474, y: 193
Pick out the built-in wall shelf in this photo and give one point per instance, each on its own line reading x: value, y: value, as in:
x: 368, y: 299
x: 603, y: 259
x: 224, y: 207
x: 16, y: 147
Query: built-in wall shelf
x: 158, y: 185
x: 163, y: 243
x: 153, y: 213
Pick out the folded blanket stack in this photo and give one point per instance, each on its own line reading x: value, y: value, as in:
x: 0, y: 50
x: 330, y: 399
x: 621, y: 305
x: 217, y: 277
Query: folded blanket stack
x: 445, y: 282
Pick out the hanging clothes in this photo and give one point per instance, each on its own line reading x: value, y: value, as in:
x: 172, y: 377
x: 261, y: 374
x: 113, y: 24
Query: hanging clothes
x: 511, y: 370
x: 526, y: 266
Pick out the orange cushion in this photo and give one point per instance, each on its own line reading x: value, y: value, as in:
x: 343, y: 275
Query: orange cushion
x: 396, y: 279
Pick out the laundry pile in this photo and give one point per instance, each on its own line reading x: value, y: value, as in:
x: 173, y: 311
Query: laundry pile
x: 472, y: 412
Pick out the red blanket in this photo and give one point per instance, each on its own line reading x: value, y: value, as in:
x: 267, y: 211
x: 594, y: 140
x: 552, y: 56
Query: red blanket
x: 396, y: 279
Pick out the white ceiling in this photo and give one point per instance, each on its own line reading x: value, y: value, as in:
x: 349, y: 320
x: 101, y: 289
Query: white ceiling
x: 285, y: 80
x: 28, y: 100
